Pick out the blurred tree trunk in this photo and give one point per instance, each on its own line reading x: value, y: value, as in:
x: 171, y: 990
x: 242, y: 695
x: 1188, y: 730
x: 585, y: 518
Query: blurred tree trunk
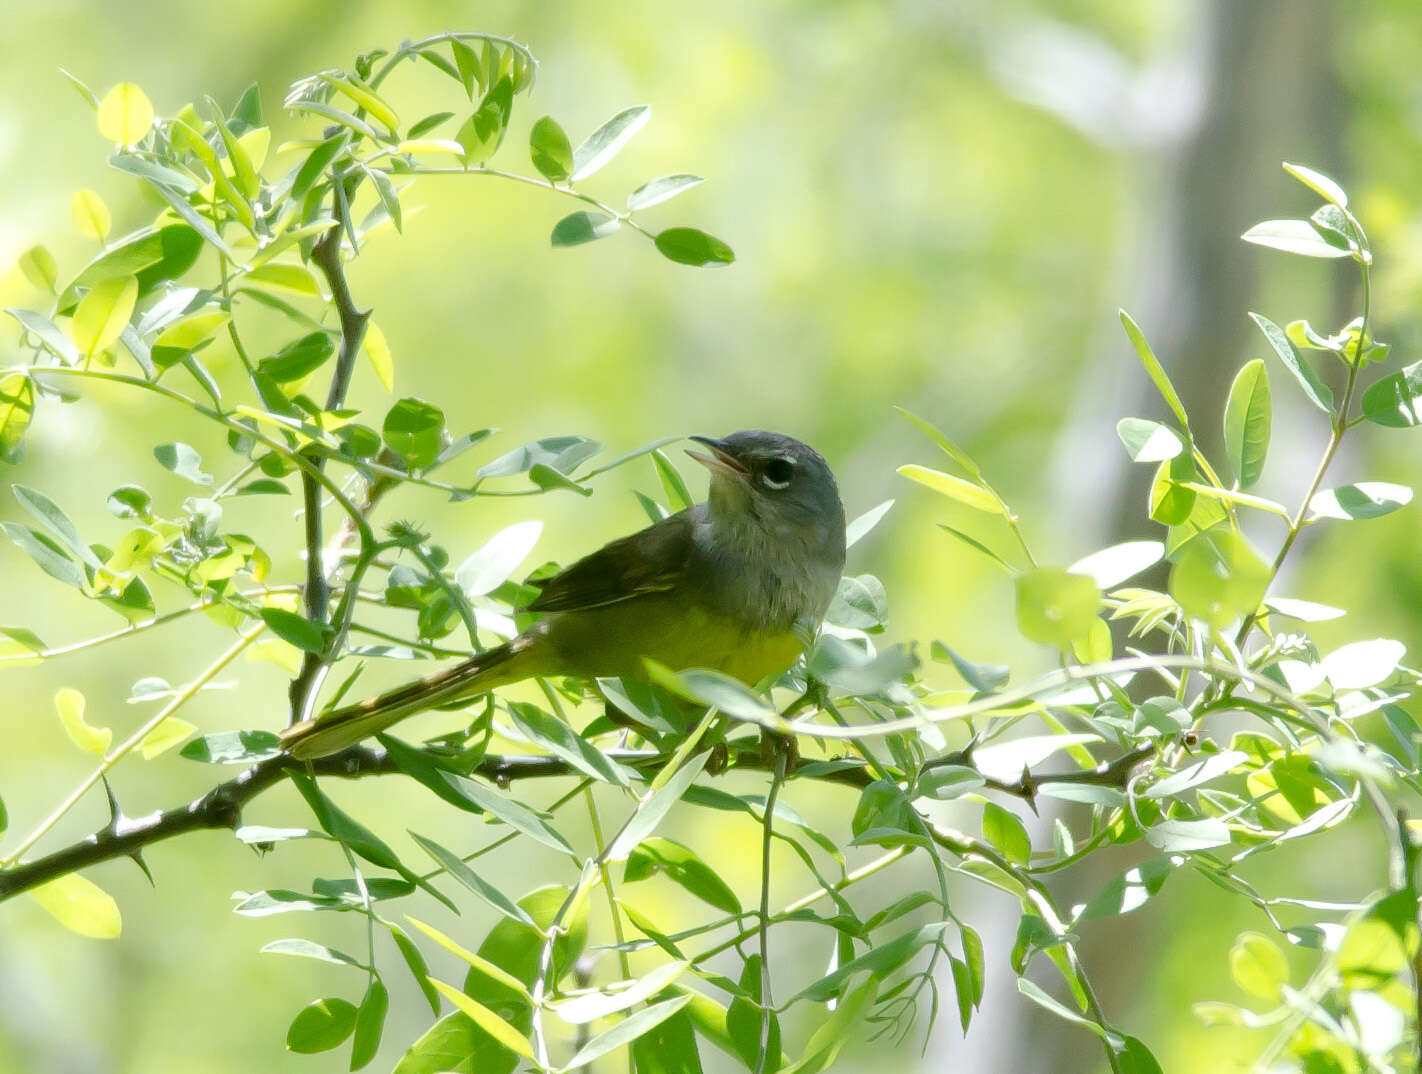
x: 1267, y: 95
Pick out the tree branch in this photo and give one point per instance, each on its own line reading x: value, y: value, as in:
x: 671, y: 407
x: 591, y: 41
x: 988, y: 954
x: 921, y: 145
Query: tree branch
x: 326, y: 255
x: 221, y: 807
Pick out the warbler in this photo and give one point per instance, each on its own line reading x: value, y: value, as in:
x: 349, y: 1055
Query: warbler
x: 738, y: 583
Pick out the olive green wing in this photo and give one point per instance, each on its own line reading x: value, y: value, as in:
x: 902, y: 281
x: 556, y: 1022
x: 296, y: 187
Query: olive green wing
x: 650, y: 561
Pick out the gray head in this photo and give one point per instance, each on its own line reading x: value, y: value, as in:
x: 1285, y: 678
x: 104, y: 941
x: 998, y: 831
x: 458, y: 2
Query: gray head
x: 779, y: 485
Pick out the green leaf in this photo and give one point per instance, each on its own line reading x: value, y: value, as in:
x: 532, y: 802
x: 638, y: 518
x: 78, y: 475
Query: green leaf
x: 456, y: 868
x: 467, y: 62
x: 233, y: 747
x: 1114, y: 565
x: 17, y: 407
x: 298, y: 359
x: 880, y: 961
x: 321, y: 1026
x: 369, y: 1024
x: 422, y: 127
x: 1246, y: 422
x: 562, y: 741
x: 562, y: 453
x: 956, y: 488
x: 1319, y: 183
x: 580, y: 1010
x: 1366, y: 499
x: 1005, y: 831
x: 487, y: 1020
x: 860, y: 527
x: 684, y: 868
x: 46, y: 553
x: 165, y: 736
x: 157, y: 174
x: 299, y: 631
x: 1296, y: 237
x: 48, y: 334
x: 1186, y: 835
x: 39, y: 267
x: 495, y: 561
x: 1149, y: 441
x: 1219, y: 578
x: 413, y: 428
x: 378, y: 351
x: 1154, y: 369
x: 95, y: 740
x: 416, y: 963
x: 81, y: 906
x: 677, y: 494
x: 310, y: 949
x: 102, y: 315
x: 316, y: 163
x: 668, y: 1048
x: 1361, y: 664
x: 653, y: 807
x: 552, y: 154
x: 1055, y: 606
x: 125, y: 114
x: 607, y: 141
x: 625, y: 1032
x: 91, y: 215
x: 659, y: 190
x: 1035, y: 993
x: 182, y: 460
x: 1393, y: 400
x: 514, y: 814
x: 48, y: 514
x: 1171, y: 502
x: 1318, y: 393
x: 583, y: 226
x: 1258, y: 966
x: 1203, y: 770
x: 689, y: 246
x: 485, y: 968
x: 151, y: 256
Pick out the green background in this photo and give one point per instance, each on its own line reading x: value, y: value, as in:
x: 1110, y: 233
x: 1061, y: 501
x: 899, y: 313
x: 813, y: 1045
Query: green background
x: 936, y: 205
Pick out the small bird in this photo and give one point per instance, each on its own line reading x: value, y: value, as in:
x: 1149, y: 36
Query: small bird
x: 738, y: 583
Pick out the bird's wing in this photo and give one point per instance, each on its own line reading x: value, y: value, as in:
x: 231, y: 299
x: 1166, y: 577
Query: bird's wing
x: 649, y: 561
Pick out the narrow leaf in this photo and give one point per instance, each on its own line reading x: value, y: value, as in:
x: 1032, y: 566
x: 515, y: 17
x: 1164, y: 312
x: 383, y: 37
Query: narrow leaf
x: 607, y: 141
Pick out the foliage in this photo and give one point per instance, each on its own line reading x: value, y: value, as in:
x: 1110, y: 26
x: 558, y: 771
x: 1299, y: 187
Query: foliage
x: 1134, y: 743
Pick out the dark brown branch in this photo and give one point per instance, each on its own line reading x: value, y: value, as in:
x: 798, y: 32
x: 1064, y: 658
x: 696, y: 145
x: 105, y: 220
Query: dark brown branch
x: 326, y: 255
x: 222, y: 806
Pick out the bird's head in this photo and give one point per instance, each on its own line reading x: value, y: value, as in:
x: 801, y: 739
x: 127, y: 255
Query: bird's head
x: 776, y: 483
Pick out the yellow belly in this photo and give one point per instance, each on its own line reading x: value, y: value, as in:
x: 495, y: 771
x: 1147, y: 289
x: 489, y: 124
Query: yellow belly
x: 613, y: 640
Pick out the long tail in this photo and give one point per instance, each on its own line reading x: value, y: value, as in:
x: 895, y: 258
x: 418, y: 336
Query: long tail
x: 335, y: 730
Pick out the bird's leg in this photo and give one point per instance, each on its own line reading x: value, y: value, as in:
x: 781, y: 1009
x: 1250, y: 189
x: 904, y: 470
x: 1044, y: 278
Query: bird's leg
x: 773, y: 744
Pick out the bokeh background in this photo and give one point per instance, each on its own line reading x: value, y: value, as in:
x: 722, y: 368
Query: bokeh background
x: 938, y: 204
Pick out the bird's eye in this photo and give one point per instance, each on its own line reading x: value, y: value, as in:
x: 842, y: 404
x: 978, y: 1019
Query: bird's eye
x: 777, y: 473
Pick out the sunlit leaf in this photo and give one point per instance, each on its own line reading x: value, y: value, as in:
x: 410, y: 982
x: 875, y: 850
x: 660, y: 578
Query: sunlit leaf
x: 1055, y: 606
x: 125, y: 114
x: 1248, y: 413
x: 90, y: 739
x: 956, y: 488
x: 91, y: 215
x: 607, y: 141
x: 81, y: 906
x: 1366, y: 499
x: 552, y: 154
x: 102, y: 314
x: 659, y: 190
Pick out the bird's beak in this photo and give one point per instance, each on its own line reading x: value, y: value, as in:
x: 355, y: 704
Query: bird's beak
x: 720, y: 460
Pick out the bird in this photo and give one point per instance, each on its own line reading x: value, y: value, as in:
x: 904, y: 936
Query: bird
x: 738, y: 583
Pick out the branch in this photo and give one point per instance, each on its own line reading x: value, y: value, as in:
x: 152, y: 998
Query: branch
x: 221, y: 807
x: 326, y: 255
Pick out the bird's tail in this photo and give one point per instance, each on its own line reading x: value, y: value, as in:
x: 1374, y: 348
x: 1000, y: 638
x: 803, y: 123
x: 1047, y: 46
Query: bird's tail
x: 335, y: 730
